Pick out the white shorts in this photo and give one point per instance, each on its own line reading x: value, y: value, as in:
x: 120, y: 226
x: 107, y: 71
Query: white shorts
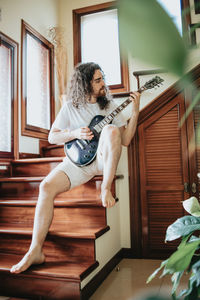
x: 79, y: 175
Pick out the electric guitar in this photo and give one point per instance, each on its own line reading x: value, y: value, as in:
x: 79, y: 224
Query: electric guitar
x: 82, y: 152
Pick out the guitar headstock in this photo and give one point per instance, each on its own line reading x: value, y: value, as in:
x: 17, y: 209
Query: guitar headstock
x: 155, y: 81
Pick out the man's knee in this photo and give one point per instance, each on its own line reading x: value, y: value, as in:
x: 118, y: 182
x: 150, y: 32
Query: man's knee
x: 112, y: 132
x: 47, y: 187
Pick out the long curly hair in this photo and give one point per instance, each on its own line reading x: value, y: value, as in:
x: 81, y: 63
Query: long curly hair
x: 80, y: 89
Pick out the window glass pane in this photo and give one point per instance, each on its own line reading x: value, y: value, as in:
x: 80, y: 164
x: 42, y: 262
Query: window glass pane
x: 173, y: 8
x: 5, y: 99
x: 38, y: 96
x: 100, y: 43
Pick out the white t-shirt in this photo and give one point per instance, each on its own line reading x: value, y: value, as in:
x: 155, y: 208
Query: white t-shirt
x: 72, y: 118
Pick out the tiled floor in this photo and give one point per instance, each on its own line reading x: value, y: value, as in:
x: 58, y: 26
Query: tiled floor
x: 129, y: 282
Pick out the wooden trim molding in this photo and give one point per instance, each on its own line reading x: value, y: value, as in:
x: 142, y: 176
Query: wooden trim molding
x: 27, y: 129
x: 134, y: 191
x: 14, y: 86
x: 186, y: 19
x: 123, y: 87
x: 96, y: 281
x: 133, y: 159
x: 193, y: 37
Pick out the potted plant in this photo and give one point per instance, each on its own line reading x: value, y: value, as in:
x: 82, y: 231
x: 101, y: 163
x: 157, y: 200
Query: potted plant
x: 186, y: 258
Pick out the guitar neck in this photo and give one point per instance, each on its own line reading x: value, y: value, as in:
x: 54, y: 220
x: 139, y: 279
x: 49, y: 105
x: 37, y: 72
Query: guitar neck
x: 108, y: 119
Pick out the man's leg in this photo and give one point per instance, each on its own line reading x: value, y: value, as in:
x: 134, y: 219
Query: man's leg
x: 110, y: 151
x: 56, y: 182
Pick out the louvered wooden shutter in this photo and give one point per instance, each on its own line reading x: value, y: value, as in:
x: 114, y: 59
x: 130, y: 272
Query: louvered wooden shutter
x: 163, y: 163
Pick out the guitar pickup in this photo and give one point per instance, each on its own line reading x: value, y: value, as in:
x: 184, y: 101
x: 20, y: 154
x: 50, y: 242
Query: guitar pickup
x: 80, y: 145
x: 85, y: 142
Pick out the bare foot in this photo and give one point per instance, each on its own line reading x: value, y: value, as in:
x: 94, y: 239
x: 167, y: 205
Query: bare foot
x: 107, y: 198
x: 32, y: 257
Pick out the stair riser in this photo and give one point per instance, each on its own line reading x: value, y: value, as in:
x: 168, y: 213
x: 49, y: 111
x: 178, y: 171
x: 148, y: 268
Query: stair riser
x: 30, y: 190
x: 57, y: 249
x: 33, y: 169
x: 57, y: 152
x: 39, y: 288
x: 86, y: 217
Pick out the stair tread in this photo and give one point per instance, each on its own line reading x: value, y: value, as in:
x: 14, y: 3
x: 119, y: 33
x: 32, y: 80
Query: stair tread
x: 35, y: 178
x: 73, y: 202
x: 74, y: 231
x: 22, y: 179
x: 40, y: 178
x: 53, y: 146
x: 50, y: 268
x: 37, y: 160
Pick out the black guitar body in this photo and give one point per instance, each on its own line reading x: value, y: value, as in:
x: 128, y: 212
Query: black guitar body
x: 83, y: 152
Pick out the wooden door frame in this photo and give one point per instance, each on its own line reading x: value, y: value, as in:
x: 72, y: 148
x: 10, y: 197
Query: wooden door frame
x: 133, y: 162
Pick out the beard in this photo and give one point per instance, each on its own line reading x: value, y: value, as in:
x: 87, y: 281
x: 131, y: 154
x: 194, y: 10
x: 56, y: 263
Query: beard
x: 102, y: 92
x: 103, y: 102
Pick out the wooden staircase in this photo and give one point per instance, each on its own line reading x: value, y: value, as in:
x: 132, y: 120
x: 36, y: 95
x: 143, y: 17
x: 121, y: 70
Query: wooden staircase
x: 79, y: 219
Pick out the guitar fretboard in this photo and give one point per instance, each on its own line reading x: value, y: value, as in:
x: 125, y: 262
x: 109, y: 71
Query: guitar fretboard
x: 108, y: 119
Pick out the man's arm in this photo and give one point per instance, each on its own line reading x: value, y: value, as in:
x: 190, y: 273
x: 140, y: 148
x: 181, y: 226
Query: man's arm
x: 57, y: 136
x: 128, y: 133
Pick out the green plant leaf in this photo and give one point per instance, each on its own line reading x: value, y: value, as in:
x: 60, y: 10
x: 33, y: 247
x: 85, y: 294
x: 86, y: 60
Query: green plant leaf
x: 192, y: 292
x: 182, y: 227
x: 184, y: 241
x: 176, y: 280
x: 156, y: 271
x: 148, y: 32
x: 180, y: 260
x: 192, y: 206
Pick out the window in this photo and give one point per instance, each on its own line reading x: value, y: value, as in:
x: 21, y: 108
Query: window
x: 173, y: 8
x: 96, y: 38
x: 8, y: 97
x: 37, y: 83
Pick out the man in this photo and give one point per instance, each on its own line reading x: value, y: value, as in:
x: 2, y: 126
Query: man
x: 88, y: 96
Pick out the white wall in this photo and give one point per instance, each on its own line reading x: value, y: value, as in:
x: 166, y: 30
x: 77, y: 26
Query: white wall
x: 41, y: 15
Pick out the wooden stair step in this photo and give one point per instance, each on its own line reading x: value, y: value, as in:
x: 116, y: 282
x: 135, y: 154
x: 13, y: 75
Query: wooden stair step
x: 28, y: 187
x: 40, y: 178
x: 55, y: 247
x: 64, y: 217
x: 35, y: 166
x: 37, y: 160
x: 51, y: 280
x: 50, y: 268
x: 53, y: 150
x: 70, y: 232
x: 76, y: 202
x: 22, y: 179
